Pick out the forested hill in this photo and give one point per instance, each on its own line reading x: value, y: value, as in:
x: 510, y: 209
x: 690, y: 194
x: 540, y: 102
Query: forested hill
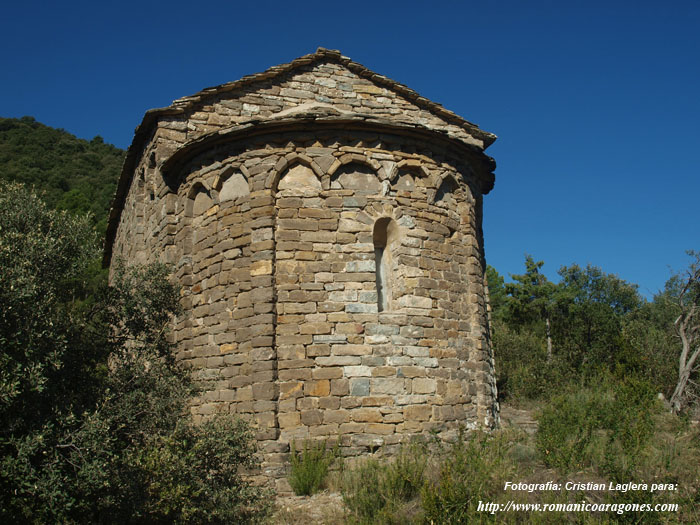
x: 72, y: 174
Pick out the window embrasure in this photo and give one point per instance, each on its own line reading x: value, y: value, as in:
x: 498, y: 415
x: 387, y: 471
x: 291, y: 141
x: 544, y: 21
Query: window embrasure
x: 386, y: 237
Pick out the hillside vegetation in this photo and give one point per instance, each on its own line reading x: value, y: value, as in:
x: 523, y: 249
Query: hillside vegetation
x: 70, y: 173
x: 94, y: 422
x: 594, y: 363
x: 94, y: 425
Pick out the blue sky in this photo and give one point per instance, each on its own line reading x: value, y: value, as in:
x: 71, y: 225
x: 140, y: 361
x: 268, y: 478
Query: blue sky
x: 596, y: 104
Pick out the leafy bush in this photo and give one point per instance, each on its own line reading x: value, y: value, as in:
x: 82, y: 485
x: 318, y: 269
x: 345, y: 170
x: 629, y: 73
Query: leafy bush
x: 193, y: 475
x: 373, y: 491
x: 309, y: 467
x: 472, y: 469
x: 605, y: 425
x: 93, y: 424
x: 523, y: 371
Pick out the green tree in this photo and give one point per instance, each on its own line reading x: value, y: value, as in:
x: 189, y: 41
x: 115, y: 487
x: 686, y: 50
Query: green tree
x: 93, y: 425
x: 649, y: 332
x: 55, y: 162
x: 521, y: 338
x: 497, y: 292
x: 555, y: 333
x: 532, y: 298
x: 590, y: 311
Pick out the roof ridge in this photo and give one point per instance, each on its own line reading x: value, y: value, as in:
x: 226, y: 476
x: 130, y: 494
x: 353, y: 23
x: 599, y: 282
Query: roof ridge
x: 185, y: 103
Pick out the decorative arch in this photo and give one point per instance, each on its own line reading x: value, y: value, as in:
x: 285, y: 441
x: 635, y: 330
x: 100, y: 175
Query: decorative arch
x: 232, y: 183
x: 410, y: 166
x: 445, y: 194
x: 358, y: 175
x: 350, y: 158
x: 288, y: 163
x: 199, y: 200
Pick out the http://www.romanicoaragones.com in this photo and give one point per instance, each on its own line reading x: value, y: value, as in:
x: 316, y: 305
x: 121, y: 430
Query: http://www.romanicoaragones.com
x: 582, y: 505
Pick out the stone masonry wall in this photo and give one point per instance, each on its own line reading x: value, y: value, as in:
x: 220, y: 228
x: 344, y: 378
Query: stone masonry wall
x: 332, y: 274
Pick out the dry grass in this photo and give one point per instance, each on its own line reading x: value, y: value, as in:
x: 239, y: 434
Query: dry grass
x: 671, y: 456
x: 323, y: 508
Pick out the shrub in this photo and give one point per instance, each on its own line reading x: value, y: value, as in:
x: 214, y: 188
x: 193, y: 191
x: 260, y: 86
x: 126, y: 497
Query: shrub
x: 605, y: 425
x: 374, y: 491
x: 309, y: 467
x: 93, y: 405
x: 194, y: 475
x: 473, y: 469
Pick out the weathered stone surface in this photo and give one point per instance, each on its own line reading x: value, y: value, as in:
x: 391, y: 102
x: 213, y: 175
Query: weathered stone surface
x: 325, y: 225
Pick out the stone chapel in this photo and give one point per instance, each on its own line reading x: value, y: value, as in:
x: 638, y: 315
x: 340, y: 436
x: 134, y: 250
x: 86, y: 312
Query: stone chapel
x: 325, y: 225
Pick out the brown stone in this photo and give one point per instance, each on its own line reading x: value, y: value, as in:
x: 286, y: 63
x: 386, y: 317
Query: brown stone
x: 324, y: 224
x: 318, y: 388
x: 366, y: 415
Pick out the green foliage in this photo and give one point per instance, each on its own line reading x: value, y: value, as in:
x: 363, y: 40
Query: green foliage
x: 193, y: 475
x: 473, y: 470
x: 649, y: 331
x: 606, y: 425
x: 310, y: 466
x: 43, y: 258
x: 497, y: 292
x: 521, y: 360
x: 73, y: 174
x: 587, y: 319
x: 531, y: 295
x: 93, y: 425
x: 374, y: 491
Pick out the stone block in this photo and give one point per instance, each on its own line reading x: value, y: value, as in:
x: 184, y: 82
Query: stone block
x: 424, y: 385
x: 262, y: 391
x: 381, y: 329
x: 315, y: 328
x: 334, y: 338
x: 290, y: 389
x: 410, y: 371
x: 261, y: 268
x: 361, y: 308
x: 244, y: 393
x: 357, y: 371
x: 317, y: 388
x: 417, y: 413
x: 360, y: 266
x: 349, y: 349
x: 384, y: 371
x: 336, y: 416
x: 324, y: 430
x: 327, y: 373
x: 351, y: 428
x: 366, y: 415
x: 379, y: 428
x: 378, y: 401
x: 359, y: 386
x: 329, y: 402
x: 340, y: 387
x: 345, y: 360
x: 414, y: 301
x: 311, y: 417
x: 387, y: 385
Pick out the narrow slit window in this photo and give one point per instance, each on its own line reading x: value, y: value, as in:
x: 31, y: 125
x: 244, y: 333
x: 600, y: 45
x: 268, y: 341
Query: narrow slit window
x: 378, y: 256
x: 385, y: 234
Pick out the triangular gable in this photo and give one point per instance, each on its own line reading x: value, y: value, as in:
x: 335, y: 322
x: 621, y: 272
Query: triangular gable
x: 291, y: 79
